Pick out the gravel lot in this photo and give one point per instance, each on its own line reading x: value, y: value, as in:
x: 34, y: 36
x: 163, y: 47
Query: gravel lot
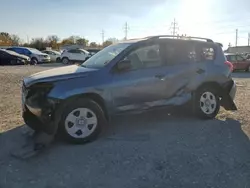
x: 147, y: 150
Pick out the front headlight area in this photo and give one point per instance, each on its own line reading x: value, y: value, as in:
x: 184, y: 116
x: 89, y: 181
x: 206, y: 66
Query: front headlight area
x: 38, y: 102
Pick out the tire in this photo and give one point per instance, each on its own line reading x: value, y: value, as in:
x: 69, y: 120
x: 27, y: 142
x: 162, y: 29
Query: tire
x: 34, y: 61
x: 58, y: 59
x: 65, y: 60
x: 74, y: 126
x: 206, y: 103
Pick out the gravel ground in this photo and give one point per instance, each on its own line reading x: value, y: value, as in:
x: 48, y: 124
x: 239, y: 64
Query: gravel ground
x: 147, y: 150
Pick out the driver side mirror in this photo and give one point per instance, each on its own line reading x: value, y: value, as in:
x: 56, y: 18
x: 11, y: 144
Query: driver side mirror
x: 124, y: 65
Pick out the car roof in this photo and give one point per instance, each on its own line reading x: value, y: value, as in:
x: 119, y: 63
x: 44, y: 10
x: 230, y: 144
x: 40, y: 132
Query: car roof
x: 172, y: 38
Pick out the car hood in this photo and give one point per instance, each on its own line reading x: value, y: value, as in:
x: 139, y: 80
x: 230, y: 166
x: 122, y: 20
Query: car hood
x: 56, y: 74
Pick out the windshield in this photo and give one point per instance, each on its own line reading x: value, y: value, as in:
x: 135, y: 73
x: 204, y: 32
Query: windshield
x: 103, y: 57
x: 33, y: 50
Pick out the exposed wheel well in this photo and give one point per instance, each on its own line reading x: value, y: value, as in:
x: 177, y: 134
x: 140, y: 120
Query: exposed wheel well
x: 213, y: 85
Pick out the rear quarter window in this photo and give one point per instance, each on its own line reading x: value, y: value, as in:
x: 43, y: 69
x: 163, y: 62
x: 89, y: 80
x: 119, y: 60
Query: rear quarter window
x: 208, y: 53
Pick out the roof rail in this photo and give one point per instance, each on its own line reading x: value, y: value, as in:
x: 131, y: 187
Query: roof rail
x: 179, y: 37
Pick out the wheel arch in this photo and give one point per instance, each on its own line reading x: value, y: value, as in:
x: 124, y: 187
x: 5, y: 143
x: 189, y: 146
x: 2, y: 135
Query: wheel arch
x: 93, y: 96
x: 211, y: 84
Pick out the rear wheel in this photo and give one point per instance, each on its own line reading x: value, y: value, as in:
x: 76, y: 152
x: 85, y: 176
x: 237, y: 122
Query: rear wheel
x: 58, y: 59
x: 65, y: 60
x: 206, y: 103
x: 82, y: 121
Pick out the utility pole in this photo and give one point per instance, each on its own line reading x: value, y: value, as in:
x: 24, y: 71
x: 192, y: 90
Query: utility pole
x: 248, y: 42
x: 174, y: 27
x: 102, y: 33
x: 126, y: 31
x: 236, y: 39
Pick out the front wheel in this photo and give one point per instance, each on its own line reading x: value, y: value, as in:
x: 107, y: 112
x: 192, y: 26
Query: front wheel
x: 82, y: 121
x: 65, y: 60
x: 206, y: 103
x: 34, y: 61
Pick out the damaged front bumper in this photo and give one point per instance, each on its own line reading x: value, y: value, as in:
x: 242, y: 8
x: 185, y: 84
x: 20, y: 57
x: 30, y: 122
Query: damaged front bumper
x: 38, y: 111
x: 228, y: 94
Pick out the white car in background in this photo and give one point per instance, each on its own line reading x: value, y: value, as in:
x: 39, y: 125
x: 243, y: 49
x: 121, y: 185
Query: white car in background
x: 77, y: 55
x: 55, y: 56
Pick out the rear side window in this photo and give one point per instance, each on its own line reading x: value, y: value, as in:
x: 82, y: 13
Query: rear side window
x: 18, y: 50
x: 178, y: 53
x: 207, y: 53
x: 74, y: 51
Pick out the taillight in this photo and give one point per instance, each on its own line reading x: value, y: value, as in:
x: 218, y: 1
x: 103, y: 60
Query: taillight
x: 230, y: 65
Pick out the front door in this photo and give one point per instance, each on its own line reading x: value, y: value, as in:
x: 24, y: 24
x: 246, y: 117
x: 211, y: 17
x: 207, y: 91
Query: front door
x: 142, y: 84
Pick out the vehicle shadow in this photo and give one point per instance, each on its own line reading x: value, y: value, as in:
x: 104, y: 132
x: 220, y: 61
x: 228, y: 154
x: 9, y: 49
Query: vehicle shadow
x: 143, y: 150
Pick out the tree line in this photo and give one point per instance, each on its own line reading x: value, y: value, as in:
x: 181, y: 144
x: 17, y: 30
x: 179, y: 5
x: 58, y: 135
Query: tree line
x: 52, y: 41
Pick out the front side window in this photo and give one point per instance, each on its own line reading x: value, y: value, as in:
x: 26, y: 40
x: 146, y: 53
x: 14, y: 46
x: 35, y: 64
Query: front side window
x: 19, y: 50
x: 145, y: 57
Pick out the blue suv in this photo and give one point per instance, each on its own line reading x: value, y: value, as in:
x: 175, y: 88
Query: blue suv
x: 134, y: 75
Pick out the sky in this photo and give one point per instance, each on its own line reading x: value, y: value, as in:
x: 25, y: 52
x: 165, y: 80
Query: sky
x: 87, y: 18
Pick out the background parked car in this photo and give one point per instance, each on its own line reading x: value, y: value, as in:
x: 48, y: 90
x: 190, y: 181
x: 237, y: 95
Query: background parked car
x: 8, y: 57
x: 35, y: 55
x: 239, y: 62
x: 77, y: 55
x: 55, y: 56
x: 92, y: 52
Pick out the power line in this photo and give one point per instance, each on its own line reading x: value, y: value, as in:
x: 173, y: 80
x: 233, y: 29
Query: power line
x: 248, y: 40
x: 102, y: 33
x: 174, y: 27
x: 126, y: 31
x: 236, y: 37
